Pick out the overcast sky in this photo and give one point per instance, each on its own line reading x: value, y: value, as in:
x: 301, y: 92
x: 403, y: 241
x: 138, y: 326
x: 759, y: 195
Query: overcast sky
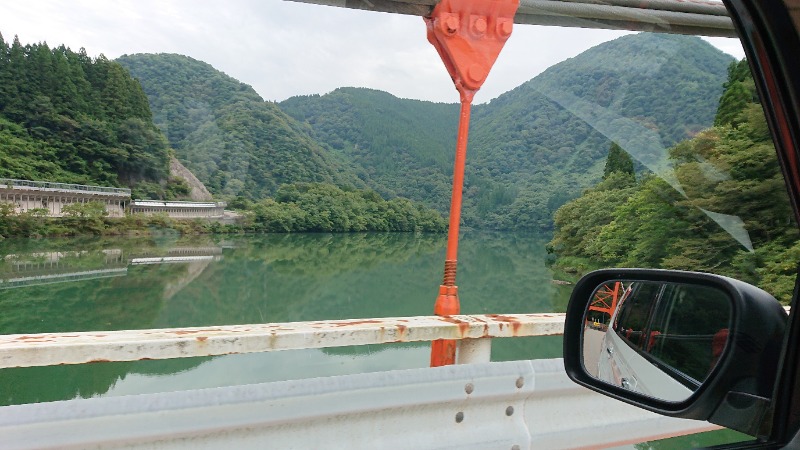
x: 285, y: 48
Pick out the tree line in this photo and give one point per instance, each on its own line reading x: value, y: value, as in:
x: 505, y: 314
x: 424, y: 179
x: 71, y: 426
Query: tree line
x: 67, y: 117
x: 728, y: 213
x: 322, y: 207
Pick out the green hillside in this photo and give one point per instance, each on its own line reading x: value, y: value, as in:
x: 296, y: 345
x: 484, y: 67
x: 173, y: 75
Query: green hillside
x: 222, y: 130
x: 67, y: 117
x: 531, y: 149
x: 730, y: 214
x: 402, y: 147
x: 543, y: 142
x: 537, y: 146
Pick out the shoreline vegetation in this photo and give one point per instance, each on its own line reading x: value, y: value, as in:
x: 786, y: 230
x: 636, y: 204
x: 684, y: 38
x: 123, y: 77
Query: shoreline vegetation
x: 729, y: 176
x: 299, y: 207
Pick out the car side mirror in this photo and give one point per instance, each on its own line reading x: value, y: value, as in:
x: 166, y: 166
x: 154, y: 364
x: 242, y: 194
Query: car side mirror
x: 656, y: 338
x: 681, y: 344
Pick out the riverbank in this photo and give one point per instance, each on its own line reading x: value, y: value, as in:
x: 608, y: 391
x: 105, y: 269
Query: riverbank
x: 569, y: 269
x: 33, y: 225
x: 297, y: 208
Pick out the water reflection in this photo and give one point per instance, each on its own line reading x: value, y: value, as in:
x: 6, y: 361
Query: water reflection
x: 273, y: 366
x: 49, y: 267
x: 174, y: 282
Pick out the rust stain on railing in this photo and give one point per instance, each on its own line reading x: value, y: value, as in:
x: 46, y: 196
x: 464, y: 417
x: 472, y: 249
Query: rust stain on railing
x: 25, y: 350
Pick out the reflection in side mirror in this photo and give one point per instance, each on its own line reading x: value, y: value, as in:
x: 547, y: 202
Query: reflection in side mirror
x: 682, y: 344
x: 659, y: 339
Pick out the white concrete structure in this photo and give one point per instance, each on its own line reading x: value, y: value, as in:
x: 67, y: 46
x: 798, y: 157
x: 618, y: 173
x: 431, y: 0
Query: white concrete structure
x: 179, y: 210
x: 27, y: 195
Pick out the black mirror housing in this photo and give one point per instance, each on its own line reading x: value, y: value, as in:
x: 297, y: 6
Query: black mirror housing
x: 737, y: 392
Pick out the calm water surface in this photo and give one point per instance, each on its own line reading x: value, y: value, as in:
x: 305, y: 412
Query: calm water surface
x: 168, y: 281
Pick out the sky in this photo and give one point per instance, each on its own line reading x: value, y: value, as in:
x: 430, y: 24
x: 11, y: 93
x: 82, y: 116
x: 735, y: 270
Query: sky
x: 283, y: 48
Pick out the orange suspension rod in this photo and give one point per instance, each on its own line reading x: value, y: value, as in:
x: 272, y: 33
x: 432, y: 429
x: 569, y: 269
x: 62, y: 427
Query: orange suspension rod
x: 468, y: 35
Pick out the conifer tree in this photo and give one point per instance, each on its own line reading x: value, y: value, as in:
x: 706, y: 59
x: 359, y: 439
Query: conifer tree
x: 739, y: 92
x: 618, y: 161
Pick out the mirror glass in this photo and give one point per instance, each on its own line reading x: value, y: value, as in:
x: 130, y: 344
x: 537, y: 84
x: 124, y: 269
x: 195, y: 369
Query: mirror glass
x: 654, y: 338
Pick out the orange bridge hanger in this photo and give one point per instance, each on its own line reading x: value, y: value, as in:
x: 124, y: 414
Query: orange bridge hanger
x: 468, y: 35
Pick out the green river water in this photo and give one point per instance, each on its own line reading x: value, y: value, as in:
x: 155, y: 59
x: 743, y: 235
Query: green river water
x: 103, y: 284
x: 62, y: 285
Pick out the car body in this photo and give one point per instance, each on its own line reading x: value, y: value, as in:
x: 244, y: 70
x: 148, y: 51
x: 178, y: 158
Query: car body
x: 649, y: 329
x: 769, y: 34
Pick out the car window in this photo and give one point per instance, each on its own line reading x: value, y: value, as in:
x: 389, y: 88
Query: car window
x: 636, y: 313
x: 625, y: 149
x: 655, y: 320
x: 691, y: 343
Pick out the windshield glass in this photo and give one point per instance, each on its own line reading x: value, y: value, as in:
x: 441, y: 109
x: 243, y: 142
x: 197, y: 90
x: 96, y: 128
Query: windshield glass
x: 172, y: 165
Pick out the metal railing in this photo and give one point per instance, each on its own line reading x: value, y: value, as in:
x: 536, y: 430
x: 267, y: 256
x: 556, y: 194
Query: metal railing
x: 517, y: 404
x: 475, y: 333
x: 11, y: 183
x: 503, y: 405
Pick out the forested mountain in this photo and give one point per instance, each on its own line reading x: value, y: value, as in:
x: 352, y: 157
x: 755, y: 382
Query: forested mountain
x: 226, y: 134
x: 66, y: 117
x: 403, y: 147
x: 70, y: 118
x: 538, y: 145
x: 724, y: 210
x: 531, y: 149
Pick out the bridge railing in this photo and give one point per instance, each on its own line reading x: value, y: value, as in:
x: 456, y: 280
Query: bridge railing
x: 515, y: 404
x: 474, y: 333
x: 12, y: 183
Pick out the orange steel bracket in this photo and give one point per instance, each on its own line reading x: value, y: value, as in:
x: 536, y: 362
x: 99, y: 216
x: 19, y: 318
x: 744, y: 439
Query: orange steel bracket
x: 468, y: 35
x: 605, y: 299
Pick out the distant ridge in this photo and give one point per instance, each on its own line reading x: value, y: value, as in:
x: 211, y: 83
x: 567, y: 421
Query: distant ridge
x: 527, y: 153
x: 531, y: 149
x: 222, y: 130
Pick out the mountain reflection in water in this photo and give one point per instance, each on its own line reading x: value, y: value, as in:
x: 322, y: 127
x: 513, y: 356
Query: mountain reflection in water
x: 168, y: 281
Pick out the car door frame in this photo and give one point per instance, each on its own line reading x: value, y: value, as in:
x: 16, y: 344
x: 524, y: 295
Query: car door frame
x: 768, y: 31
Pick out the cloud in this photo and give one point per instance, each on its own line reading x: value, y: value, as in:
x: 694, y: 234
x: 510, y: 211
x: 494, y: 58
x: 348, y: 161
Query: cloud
x: 286, y: 48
